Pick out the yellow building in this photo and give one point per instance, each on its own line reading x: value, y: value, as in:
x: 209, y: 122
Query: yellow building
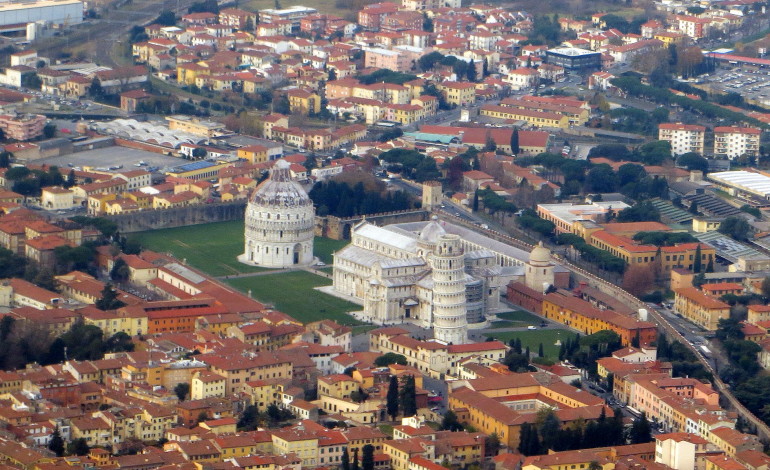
x: 254, y: 153
x: 10, y: 382
x: 304, y: 444
x: 200, y: 170
x: 459, y: 93
x: 303, y: 101
x: 706, y: 224
x: 534, y: 118
x: 222, y: 426
x: 238, y: 369
x: 96, y: 431
x: 207, y: 384
x: 235, y: 446
x: 337, y: 386
x: 699, y: 308
x: 360, y: 436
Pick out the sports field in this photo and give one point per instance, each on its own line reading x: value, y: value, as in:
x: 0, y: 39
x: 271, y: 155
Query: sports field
x: 293, y: 293
x: 213, y: 248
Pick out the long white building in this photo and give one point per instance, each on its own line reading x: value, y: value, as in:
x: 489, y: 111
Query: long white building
x: 58, y: 12
x: 684, y: 138
x: 732, y: 142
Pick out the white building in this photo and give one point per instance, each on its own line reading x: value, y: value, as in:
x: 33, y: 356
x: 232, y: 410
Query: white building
x: 684, y: 138
x: 406, y: 273
x: 58, y: 12
x: 279, y: 222
x: 680, y: 450
x: 733, y: 142
x: 523, y: 78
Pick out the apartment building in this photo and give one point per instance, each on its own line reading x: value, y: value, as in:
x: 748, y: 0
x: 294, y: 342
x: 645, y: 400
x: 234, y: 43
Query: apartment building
x: 699, y: 308
x: 24, y: 127
x: 684, y: 138
x: 732, y: 142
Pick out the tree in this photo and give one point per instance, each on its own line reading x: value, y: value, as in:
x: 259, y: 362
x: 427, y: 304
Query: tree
x: 120, y: 271
x: 78, y: 447
x: 392, y: 398
x: 95, y: 90
x: 693, y: 161
x: 640, y: 432
x: 515, y: 150
x: 31, y: 80
x: 390, y: 358
x: 181, y: 390
x: 492, y: 444
x: 367, y: 457
x: 248, y: 419
x: 540, y: 350
x: 345, y: 465
x: 697, y: 264
x: 56, y: 443
x: 408, y: 397
x: 736, y: 228
x: 166, y: 18
x: 765, y: 291
x: 638, y: 280
x: 5, y: 158
x: 109, y: 300
x: 450, y: 422
x: 355, y: 460
x: 471, y: 73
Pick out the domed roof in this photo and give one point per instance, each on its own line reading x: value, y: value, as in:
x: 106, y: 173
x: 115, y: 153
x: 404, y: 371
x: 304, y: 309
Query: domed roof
x: 540, y: 254
x: 431, y: 232
x: 280, y: 190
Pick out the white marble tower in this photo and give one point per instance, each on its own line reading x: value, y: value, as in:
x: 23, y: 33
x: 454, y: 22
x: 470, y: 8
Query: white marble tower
x: 449, y: 303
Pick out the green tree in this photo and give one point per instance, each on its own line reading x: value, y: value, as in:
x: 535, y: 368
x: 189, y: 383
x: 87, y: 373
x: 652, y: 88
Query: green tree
x: 166, y: 18
x: 78, y: 446
x: 249, y: 419
x: 736, y: 228
x: 408, y: 397
x: 5, y: 158
x: 181, y: 390
x: 697, y: 264
x: 367, y: 457
x: 49, y: 131
x: 345, y: 465
x: 765, y: 289
x: 548, y: 426
x: 56, y: 443
x: 355, y: 460
x: 450, y: 422
x: 392, y: 398
x: 492, y: 444
x: 640, y: 432
x: 120, y: 271
x: 119, y: 342
x: 515, y: 150
x: 390, y: 358
x: 109, y: 300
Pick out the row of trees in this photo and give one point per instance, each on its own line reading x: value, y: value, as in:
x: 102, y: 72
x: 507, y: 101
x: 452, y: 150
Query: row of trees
x: 401, y: 398
x: 342, y: 200
x: 24, y: 342
x: 412, y: 164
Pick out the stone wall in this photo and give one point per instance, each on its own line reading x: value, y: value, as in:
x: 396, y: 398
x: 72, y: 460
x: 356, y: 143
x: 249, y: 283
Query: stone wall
x: 178, y: 217
x: 339, y: 229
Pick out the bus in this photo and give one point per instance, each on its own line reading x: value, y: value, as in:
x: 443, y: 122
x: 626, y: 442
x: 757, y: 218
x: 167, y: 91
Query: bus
x: 705, y: 351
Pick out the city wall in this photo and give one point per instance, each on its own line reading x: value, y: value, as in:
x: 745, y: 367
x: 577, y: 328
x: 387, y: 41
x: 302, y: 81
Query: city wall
x: 179, y: 217
x: 339, y: 228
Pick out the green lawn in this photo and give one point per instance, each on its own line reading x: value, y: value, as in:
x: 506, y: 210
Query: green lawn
x: 324, y: 247
x: 292, y: 293
x: 533, y: 338
x: 520, y: 316
x: 361, y: 329
x: 213, y: 248
x: 505, y: 324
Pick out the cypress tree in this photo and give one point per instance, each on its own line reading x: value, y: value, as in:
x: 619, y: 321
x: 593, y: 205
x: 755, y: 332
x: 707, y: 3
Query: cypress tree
x: 540, y: 350
x: 529, y: 356
x: 515, y: 142
x: 697, y: 265
x: 710, y: 266
x: 367, y: 459
x: 345, y: 460
x: 392, y: 398
x: 408, y: 397
x: 355, y: 460
x: 56, y: 444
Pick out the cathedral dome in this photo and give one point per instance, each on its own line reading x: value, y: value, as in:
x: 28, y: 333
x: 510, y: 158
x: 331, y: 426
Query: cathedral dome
x: 431, y: 232
x: 280, y: 190
x: 540, y: 255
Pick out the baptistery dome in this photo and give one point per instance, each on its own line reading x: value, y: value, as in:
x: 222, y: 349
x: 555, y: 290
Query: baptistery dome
x: 279, y: 222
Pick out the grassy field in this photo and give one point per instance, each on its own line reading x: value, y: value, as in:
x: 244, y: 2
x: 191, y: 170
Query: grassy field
x: 324, y: 247
x: 293, y: 293
x: 520, y: 317
x: 213, y: 248
x: 533, y: 338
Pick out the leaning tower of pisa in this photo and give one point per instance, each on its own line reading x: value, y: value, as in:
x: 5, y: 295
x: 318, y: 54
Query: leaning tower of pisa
x: 449, y: 305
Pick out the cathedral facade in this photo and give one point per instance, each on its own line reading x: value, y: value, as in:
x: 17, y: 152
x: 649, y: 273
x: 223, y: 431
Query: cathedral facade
x: 434, y: 274
x: 279, y: 222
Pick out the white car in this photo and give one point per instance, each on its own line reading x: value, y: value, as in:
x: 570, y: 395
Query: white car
x: 531, y: 327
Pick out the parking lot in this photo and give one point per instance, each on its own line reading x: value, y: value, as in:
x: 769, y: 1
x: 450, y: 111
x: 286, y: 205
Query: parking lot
x: 752, y: 84
x: 113, y: 157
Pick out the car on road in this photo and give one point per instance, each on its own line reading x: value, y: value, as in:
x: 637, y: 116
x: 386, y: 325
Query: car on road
x: 531, y: 327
